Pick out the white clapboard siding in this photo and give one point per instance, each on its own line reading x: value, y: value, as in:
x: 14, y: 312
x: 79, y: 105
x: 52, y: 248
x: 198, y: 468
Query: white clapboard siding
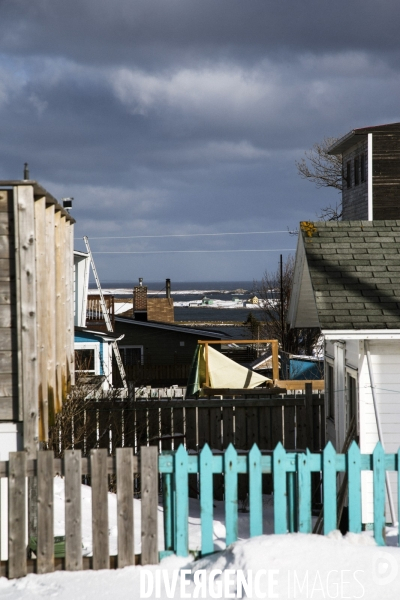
x: 385, y: 359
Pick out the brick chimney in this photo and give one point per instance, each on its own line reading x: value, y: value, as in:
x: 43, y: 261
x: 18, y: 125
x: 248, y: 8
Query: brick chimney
x: 140, y: 301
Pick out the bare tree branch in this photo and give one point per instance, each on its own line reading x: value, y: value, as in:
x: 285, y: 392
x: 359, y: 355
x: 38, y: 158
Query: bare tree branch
x: 325, y: 170
x: 295, y: 341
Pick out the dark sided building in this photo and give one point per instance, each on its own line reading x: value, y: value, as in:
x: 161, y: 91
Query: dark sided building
x: 159, y: 354
x: 371, y: 172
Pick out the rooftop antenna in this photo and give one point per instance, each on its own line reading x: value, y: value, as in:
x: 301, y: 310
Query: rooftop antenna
x: 26, y: 171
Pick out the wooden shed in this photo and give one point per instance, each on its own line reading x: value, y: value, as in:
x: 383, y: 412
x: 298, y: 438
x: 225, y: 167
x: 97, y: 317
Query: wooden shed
x: 36, y: 312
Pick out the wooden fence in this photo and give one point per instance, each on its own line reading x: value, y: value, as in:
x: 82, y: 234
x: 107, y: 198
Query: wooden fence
x: 99, y: 466
x: 297, y: 421
x: 291, y: 471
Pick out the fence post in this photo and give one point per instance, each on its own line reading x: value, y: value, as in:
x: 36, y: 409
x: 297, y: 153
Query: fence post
x: 45, y: 529
x: 279, y: 482
x: 206, y: 500
x: 231, y: 494
x: 149, y: 487
x: 126, y: 552
x: 354, y: 475
x: 255, y: 491
x: 378, y: 464
x: 17, y: 515
x: 73, y: 510
x: 304, y: 477
x: 329, y: 488
x: 99, y: 476
x: 181, y: 502
x: 168, y: 512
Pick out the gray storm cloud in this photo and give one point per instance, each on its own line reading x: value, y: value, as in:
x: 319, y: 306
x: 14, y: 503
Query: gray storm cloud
x: 188, y: 116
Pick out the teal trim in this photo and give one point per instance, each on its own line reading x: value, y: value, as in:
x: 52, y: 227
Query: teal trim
x: 279, y: 473
x: 206, y: 500
x: 354, y: 475
x: 329, y: 488
x: 304, y: 475
x: 231, y: 495
x: 181, y: 488
x: 168, y: 511
x: 255, y: 491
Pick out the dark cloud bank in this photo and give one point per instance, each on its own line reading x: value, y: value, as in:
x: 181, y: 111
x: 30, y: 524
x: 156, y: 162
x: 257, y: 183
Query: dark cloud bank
x: 166, y: 117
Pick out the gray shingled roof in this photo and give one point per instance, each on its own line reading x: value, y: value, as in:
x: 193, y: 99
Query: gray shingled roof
x: 354, y: 268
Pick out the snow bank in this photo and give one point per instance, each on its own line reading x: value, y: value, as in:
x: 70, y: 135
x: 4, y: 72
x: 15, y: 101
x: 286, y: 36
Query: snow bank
x: 274, y: 566
x: 279, y: 566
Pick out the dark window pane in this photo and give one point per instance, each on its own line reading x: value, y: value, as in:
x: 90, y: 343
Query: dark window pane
x: 131, y: 356
x: 356, y: 171
x: 348, y: 174
x: 84, y: 360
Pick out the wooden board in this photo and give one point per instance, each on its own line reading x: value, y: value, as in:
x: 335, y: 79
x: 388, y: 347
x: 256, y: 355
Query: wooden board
x: 99, y: 481
x: 73, y: 510
x: 125, y: 517
x: 45, y: 537
x: 26, y: 274
x: 17, y: 515
x: 149, y: 488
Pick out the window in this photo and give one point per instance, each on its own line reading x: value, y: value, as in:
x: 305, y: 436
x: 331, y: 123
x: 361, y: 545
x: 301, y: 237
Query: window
x: 131, y: 355
x: 351, y: 398
x: 330, y: 389
x: 348, y: 174
x: 87, y: 357
x: 85, y: 360
x: 356, y: 170
x: 362, y: 161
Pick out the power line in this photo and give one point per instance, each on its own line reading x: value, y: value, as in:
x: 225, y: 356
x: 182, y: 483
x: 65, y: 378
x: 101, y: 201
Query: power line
x: 193, y: 251
x: 132, y: 237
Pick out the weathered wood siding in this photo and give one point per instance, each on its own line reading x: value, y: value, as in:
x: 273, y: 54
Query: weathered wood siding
x: 36, y: 319
x: 8, y: 329
x: 386, y: 175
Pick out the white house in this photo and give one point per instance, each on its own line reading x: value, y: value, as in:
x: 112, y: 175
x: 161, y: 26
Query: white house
x: 346, y: 281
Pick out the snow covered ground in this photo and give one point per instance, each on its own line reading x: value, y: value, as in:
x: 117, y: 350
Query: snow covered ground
x: 274, y: 566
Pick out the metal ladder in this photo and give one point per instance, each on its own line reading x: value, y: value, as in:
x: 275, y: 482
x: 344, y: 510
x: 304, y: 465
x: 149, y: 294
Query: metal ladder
x: 107, y: 316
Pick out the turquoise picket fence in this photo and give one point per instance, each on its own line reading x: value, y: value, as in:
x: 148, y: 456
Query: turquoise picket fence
x: 291, y: 473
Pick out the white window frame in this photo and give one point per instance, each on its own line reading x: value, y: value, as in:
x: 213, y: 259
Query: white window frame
x: 90, y: 346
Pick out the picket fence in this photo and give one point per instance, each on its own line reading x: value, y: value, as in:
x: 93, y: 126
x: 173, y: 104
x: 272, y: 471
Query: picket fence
x: 291, y: 471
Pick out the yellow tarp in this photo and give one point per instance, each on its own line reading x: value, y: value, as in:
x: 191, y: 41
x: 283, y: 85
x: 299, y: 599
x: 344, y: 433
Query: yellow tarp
x: 225, y: 373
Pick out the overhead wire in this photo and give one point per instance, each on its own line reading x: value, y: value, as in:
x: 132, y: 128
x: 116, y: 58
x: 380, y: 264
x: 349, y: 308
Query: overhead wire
x: 190, y: 251
x: 131, y: 237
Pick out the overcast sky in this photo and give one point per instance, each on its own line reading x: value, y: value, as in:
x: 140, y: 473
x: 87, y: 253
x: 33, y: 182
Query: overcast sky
x: 166, y: 117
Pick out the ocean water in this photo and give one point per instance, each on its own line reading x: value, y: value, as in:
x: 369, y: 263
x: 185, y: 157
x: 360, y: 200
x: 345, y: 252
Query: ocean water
x: 219, y: 318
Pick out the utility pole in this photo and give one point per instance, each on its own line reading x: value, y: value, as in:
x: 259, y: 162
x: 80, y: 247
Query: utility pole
x: 282, y: 315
